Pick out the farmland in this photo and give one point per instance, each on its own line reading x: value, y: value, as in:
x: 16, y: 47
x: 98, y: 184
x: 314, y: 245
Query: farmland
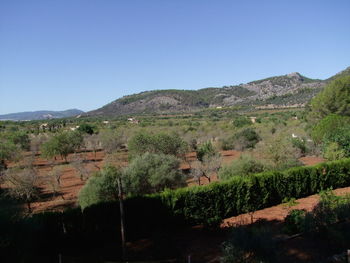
x: 186, y: 181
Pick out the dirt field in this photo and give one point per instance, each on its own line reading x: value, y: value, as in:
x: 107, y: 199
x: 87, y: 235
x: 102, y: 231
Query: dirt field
x: 71, y: 183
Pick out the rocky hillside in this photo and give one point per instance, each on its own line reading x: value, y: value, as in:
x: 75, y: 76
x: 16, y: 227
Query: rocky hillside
x: 287, y: 90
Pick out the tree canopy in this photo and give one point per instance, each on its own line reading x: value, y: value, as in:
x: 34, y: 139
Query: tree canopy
x: 150, y: 173
x: 328, y: 125
x: 334, y: 99
x: 62, y: 144
x: 101, y: 187
x: 161, y: 143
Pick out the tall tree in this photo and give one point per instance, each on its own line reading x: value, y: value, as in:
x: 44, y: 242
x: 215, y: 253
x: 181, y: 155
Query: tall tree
x: 334, y: 99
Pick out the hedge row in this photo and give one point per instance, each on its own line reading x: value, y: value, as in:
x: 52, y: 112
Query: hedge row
x: 99, y: 224
x: 211, y: 203
x: 214, y: 202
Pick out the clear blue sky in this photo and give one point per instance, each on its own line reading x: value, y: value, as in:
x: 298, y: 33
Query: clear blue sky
x: 83, y: 54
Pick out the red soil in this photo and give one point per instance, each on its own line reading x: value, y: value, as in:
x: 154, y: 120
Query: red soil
x: 71, y: 183
x: 278, y: 212
x: 311, y: 160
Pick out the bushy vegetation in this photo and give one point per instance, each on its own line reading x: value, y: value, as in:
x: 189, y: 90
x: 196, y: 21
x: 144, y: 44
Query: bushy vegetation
x: 156, y: 143
x: 328, y: 125
x: 334, y: 99
x: 211, y: 203
x: 101, y: 187
x: 205, y: 150
x: 341, y: 137
x: 250, y: 245
x: 151, y: 173
x: 62, y: 144
x: 244, y: 139
x: 331, y: 209
x: 244, y: 166
x: 241, y: 121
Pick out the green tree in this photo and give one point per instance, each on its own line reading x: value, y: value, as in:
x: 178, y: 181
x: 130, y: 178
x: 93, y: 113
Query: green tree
x: 101, y: 187
x: 157, y: 143
x: 341, y: 136
x: 327, y: 125
x: 86, y: 128
x: 150, y: 173
x: 19, y: 138
x: 8, y: 152
x: 334, y: 99
x: 112, y: 140
x: 62, y: 144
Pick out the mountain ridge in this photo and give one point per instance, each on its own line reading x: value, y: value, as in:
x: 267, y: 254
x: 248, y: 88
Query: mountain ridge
x: 289, y: 89
x: 40, y: 115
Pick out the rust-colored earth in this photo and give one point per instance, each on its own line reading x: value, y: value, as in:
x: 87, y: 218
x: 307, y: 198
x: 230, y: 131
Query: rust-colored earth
x: 71, y: 183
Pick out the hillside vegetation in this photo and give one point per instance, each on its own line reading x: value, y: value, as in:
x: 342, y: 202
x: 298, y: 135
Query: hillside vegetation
x: 292, y: 89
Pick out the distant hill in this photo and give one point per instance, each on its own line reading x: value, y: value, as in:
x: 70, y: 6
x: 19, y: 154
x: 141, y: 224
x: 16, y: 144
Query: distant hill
x: 292, y: 89
x: 40, y: 115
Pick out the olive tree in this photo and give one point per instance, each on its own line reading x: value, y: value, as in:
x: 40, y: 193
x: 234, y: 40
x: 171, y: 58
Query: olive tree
x: 150, y: 173
x: 101, y: 187
x: 62, y: 144
x: 208, y: 167
x: 92, y: 142
x: 112, y: 140
x: 80, y: 167
x: 22, y: 184
x: 160, y: 143
x: 8, y: 152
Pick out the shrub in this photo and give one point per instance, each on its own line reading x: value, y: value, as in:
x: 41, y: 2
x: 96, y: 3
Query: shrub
x: 329, y: 210
x: 300, y: 144
x: 341, y: 136
x: 244, y: 139
x: 241, y: 121
x: 294, y: 222
x: 150, y: 173
x: 86, y: 128
x: 327, y: 126
x: 333, y: 152
x: 250, y: 245
x: 279, y: 153
x: 243, y: 166
x: 205, y: 149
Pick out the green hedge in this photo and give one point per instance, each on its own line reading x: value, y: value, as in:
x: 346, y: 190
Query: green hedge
x: 147, y: 215
x: 214, y: 202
